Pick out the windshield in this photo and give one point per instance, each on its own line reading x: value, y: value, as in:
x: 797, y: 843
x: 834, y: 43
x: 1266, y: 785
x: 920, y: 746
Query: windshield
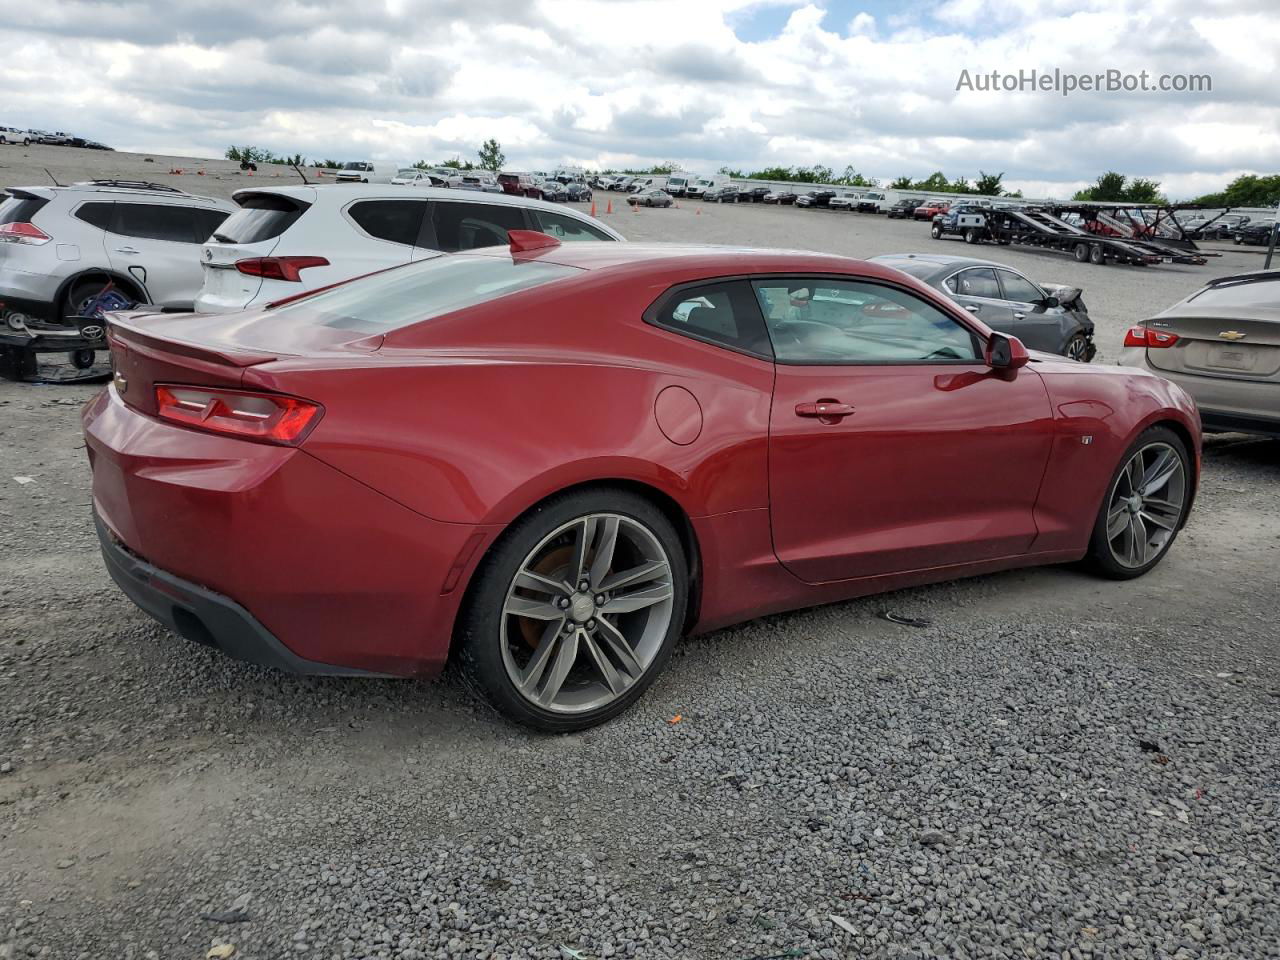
x: 407, y: 174
x: 421, y: 291
x: 361, y: 165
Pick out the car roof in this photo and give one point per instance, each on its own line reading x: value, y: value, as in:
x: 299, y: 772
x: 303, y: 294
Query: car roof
x: 122, y: 187
x: 721, y: 260
x: 929, y: 265
x: 394, y: 191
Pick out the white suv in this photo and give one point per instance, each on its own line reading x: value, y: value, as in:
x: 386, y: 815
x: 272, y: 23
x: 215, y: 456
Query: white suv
x: 287, y: 240
x: 61, y: 245
x: 15, y: 135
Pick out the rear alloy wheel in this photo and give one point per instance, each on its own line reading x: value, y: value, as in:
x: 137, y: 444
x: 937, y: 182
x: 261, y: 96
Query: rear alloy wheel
x: 576, y: 610
x: 1077, y: 348
x: 971, y: 236
x: 936, y: 232
x: 81, y: 292
x: 1144, y: 507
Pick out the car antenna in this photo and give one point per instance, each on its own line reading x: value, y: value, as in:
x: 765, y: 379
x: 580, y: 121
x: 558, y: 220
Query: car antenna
x: 52, y: 177
x: 301, y: 174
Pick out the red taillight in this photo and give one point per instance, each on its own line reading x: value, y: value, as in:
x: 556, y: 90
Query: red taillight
x: 269, y: 417
x: 23, y: 232
x: 279, y: 268
x: 1146, y: 337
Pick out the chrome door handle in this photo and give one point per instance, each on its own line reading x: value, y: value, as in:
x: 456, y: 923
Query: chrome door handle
x: 971, y: 308
x: 125, y: 250
x: 1019, y: 316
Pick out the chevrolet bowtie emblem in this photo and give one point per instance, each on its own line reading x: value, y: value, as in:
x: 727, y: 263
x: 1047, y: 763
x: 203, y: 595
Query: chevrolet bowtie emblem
x: 1232, y: 335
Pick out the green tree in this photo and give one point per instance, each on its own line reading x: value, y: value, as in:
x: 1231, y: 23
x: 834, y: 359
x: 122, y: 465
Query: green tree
x: 988, y: 184
x: 491, y: 155
x: 901, y: 183
x: 250, y: 154
x: 1114, y: 187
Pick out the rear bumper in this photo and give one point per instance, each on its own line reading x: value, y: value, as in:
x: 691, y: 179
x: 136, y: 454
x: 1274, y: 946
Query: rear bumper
x: 1226, y: 405
x: 265, y: 543
x: 203, y: 616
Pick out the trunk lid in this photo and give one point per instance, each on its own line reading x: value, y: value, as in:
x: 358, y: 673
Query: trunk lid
x: 1241, y: 344
x: 213, y: 350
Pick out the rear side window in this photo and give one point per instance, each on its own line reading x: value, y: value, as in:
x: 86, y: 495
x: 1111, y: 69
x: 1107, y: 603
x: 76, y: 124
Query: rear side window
x: 978, y: 282
x: 1018, y: 288
x: 724, y: 314
x: 207, y: 222
x: 153, y: 221
x: 466, y: 226
x: 566, y: 228
x: 421, y: 291
x: 262, y: 216
x: 20, y: 207
x: 395, y: 220
x: 96, y: 213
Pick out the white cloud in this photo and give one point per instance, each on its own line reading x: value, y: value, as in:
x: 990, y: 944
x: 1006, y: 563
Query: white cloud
x: 610, y: 83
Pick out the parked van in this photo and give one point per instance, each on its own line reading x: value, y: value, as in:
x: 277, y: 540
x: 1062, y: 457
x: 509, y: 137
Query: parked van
x: 367, y: 171
x: 701, y: 185
x: 640, y: 184
x: 678, y: 182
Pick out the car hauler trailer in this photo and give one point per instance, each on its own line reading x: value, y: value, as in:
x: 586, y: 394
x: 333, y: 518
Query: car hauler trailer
x: 1160, y: 235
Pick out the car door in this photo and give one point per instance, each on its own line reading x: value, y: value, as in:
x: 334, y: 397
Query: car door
x: 157, y: 244
x: 1037, y: 326
x: 977, y: 289
x: 892, y: 445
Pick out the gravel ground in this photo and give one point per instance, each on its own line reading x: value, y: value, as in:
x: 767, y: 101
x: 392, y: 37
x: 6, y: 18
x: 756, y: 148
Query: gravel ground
x: 1056, y: 766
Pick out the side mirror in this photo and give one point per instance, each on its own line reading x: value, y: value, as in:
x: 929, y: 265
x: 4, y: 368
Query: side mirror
x: 1006, y: 353
x: 1050, y: 302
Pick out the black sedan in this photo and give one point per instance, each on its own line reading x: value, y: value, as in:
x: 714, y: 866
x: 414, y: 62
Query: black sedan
x: 578, y: 191
x: 552, y: 190
x: 780, y: 197
x: 1044, y: 316
x: 721, y: 195
x: 1255, y: 233
x: 759, y: 193
x: 902, y: 210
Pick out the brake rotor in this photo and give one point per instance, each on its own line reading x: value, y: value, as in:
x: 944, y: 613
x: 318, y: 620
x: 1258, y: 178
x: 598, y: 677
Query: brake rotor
x: 554, y: 565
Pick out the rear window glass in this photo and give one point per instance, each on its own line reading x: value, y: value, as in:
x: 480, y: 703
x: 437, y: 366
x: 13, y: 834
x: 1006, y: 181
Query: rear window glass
x: 262, y: 216
x: 96, y: 213
x: 566, y: 228
x: 20, y: 209
x: 1249, y: 293
x: 423, y: 290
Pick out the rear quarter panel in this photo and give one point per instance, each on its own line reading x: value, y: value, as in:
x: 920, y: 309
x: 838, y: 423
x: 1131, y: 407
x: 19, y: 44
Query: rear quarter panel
x: 1100, y: 411
x: 463, y: 420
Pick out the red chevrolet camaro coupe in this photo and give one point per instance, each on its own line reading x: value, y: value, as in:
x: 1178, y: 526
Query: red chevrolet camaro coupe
x: 551, y: 461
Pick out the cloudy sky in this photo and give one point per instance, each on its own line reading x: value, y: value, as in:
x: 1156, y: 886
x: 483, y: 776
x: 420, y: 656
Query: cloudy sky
x: 612, y: 83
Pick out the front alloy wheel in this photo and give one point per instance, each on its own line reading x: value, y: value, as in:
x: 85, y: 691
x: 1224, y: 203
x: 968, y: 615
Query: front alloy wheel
x: 1145, y: 506
x: 576, y: 611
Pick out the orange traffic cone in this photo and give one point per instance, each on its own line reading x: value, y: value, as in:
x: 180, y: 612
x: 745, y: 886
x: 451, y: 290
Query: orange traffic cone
x: 593, y: 208
x: 609, y: 207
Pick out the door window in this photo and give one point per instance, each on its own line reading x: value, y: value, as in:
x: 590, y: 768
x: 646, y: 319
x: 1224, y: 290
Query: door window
x: 397, y: 221
x: 978, y: 282
x: 96, y: 213
x: 1019, y: 288
x: 466, y: 226
x: 823, y: 321
x: 154, y: 221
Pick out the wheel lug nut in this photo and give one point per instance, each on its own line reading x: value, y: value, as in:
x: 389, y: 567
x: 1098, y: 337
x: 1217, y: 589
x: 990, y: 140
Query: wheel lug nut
x: 600, y: 600
x: 564, y: 603
x: 591, y: 624
x: 584, y: 586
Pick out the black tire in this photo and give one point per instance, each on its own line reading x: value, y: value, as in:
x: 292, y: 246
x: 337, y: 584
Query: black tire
x: 1099, y: 559
x: 971, y: 236
x: 936, y: 232
x: 1097, y: 256
x: 1239, y: 240
x: 1081, y: 252
x: 82, y: 359
x: 480, y: 655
